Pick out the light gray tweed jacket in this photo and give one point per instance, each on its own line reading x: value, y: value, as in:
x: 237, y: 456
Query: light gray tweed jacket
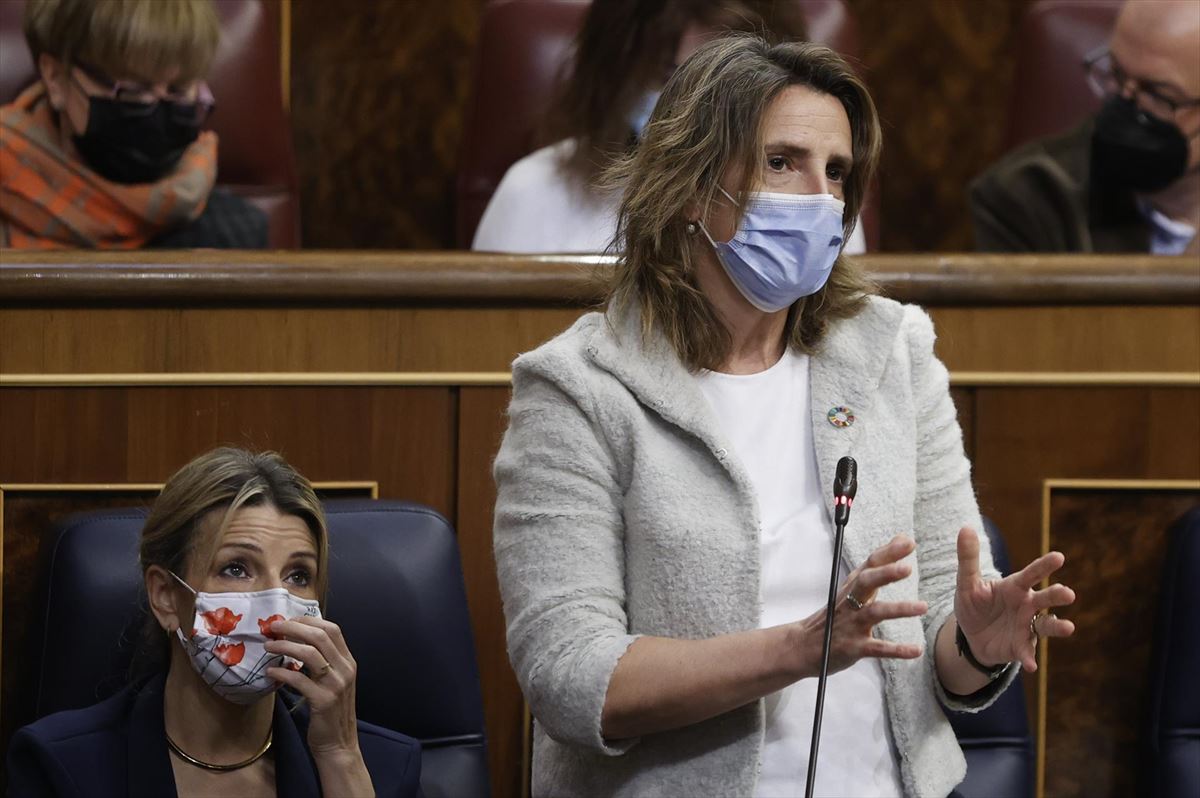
x: 622, y: 512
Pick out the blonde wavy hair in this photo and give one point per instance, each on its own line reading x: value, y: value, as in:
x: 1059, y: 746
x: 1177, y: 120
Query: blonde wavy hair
x: 708, y: 122
x: 146, y: 39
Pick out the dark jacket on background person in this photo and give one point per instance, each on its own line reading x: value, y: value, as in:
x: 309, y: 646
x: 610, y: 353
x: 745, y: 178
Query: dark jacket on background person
x: 228, y: 222
x: 1041, y: 198
x: 119, y: 748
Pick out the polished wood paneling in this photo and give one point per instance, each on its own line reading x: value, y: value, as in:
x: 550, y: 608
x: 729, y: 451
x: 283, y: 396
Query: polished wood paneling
x: 940, y: 72
x: 379, y: 90
x: 1070, y: 339
x: 167, y: 340
x: 62, y: 341
x: 1024, y: 436
x: 400, y: 437
x: 390, y: 312
x: 482, y: 413
x: 184, y: 278
x: 1097, y: 681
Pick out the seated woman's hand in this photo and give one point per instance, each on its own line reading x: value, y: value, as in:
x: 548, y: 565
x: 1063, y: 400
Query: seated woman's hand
x: 328, y: 685
x: 997, y: 616
x: 856, y: 613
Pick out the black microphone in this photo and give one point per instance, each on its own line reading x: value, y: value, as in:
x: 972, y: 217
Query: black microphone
x: 845, y: 486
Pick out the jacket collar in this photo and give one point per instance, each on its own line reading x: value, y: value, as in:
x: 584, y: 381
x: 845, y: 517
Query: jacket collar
x: 649, y: 367
x: 149, y: 760
x: 295, y: 772
x: 844, y: 372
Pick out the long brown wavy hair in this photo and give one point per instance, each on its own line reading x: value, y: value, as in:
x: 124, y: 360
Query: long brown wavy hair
x: 708, y: 122
x: 626, y: 46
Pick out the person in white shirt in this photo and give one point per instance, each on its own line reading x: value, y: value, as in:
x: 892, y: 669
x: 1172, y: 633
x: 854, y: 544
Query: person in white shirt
x: 663, y: 535
x: 549, y: 200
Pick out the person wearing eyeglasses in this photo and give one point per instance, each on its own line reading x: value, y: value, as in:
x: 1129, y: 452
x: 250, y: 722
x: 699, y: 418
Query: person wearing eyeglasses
x: 107, y: 149
x: 1128, y: 178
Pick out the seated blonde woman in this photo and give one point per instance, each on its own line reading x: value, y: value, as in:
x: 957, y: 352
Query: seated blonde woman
x: 234, y: 556
x: 106, y: 149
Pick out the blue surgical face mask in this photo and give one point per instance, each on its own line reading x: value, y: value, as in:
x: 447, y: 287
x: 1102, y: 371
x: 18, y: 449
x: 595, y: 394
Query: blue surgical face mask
x: 639, y: 114
x: 784, y: 248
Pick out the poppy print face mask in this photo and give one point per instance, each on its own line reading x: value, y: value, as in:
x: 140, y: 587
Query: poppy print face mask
x: 230, y: 630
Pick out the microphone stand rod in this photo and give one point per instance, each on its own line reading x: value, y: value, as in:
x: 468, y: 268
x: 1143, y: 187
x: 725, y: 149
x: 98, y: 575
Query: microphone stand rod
x: 824, y: 676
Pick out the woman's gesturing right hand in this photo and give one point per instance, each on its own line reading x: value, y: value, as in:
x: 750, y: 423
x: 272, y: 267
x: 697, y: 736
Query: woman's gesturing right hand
x: 852, y: 639
x: 666, y: 683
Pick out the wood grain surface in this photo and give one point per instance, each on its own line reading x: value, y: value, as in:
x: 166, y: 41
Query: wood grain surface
x: 465, y: 278
x: 1098, y: 680
x: 380, y: 90
x: 482, y: 422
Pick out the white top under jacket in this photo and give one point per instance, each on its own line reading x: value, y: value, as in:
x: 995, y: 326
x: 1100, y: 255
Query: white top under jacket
x: 766, y: 418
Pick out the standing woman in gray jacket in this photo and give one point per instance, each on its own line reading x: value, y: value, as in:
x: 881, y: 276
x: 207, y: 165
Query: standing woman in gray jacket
x: 663, y: 533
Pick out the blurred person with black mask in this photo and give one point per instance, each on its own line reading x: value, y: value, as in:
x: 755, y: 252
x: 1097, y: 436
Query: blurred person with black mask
x: 107, y: 149
x: 1127, y: 179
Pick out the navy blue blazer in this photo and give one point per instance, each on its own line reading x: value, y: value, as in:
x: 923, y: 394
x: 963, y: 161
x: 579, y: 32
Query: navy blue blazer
x: 119, y: 748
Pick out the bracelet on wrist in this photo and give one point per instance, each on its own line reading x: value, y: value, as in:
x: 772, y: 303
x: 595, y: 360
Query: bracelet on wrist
x: 993, y: 672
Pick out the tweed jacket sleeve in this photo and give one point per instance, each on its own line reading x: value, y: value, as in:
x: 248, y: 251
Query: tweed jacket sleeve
x: 944, y: 501
x: 559, y: 546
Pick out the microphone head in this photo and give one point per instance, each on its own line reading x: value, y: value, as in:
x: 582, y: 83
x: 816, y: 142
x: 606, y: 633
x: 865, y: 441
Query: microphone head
x: 845, y: 483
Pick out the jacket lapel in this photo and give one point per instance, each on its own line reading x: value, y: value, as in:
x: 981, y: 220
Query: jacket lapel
x: 845, y: 373
x: 295, y: 772
x: 657, y: 378
x: 148, y: 761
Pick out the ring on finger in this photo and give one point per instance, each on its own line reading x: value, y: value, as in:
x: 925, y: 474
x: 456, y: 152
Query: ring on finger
x: 1033, y: 622
x: 855, y: 603
x: 324, y: 669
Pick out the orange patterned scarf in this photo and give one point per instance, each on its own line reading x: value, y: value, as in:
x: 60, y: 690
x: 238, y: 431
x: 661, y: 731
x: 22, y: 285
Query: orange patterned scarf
x: 51, y: 201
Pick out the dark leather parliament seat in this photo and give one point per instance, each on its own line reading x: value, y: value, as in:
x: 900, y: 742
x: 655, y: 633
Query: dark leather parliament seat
x: 254, y: 157
x: 1172, y: 755
x: 395, y: 588
x: 523, y: 45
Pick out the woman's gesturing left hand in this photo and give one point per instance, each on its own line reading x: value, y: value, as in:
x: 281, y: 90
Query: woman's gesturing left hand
x: 995, y: 615
x: 329, y: 688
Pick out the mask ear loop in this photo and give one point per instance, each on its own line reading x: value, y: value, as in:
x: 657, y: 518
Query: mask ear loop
x: 180, y: 581
x: 179, y: 629
x: 700, y: 222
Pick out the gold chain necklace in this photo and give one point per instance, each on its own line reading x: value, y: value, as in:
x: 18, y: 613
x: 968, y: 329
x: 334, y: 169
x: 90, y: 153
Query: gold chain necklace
x: 191, y: 760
